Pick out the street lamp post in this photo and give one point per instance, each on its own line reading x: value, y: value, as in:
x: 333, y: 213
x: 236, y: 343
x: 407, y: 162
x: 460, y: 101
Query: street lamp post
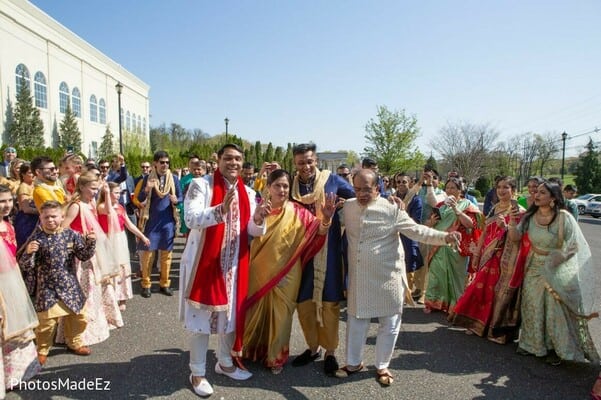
x: 119, y: 88
x: 564, y: 136
x: 227, y: 121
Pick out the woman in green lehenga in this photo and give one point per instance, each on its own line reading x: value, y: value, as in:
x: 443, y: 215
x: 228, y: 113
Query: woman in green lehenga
x: 447, y: 266
x: 558, y: 293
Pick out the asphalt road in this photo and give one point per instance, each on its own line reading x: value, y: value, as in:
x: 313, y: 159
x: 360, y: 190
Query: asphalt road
x: 148, y: 358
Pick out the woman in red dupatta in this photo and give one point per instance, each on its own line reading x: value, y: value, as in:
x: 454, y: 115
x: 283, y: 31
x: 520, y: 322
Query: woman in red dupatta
x: 490, y: 303
x: 293, y: 236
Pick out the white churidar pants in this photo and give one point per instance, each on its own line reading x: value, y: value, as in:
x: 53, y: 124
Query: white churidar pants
x: 356, y: 334
x: 199, y: 344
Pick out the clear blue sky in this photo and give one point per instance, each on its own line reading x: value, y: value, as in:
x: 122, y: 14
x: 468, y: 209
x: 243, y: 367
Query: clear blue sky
x: 298, y: 71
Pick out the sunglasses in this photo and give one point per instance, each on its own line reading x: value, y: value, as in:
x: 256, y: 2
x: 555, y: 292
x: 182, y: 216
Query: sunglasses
x: 50, y: 168
x: 144, y: 166
x: 164, y: 162
x: 104, y: 167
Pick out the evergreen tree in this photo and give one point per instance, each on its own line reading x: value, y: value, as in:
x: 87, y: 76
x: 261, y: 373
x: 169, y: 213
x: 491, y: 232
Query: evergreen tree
x: 258, y: 154
x: 107, y: 146
x: 432, y: 162
x: 268, y: 155
x: 588, y: 170
x: 27, y: 128
x: 69, y: 132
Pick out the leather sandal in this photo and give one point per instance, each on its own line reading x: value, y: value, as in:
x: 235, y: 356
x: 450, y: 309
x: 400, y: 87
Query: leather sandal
x: 81, y: 351
x: 345, y: 371
x: 385, y: 378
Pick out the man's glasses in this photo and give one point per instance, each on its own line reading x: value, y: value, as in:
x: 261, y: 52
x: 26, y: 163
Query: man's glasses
x: 405, y: 182
x: 50, y: 168
x: 144, y: 166
x: 104, y: 167
x: 343, y: 175
x: 162, y: 162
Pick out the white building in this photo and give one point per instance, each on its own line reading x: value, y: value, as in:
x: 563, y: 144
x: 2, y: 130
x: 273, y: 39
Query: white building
x: 60, y: 66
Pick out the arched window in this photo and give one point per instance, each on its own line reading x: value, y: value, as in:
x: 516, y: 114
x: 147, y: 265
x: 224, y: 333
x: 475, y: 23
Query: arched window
x: 39, y: 88
x: 133, y: 122
x: 63, y: 97
x: 144, y: 125
x: 139, y: 124
x: 102, y: 111
x: 93, y: 109
x: 22, y: 72
x: 76, y: 102
x: 128, y: 122
x: 122, y: 114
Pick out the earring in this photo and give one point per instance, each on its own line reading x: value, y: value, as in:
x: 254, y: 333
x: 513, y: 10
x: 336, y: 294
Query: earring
x: 552, y: 204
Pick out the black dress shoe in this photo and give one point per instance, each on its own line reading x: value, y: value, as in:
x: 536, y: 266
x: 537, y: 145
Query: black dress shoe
x: 330, y: 365
x: 305, y: 358
x: 145, y: 292
x: 167, y: 291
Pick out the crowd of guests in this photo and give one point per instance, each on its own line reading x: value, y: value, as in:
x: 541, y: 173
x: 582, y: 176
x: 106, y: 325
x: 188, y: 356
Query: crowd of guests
x: 263, y: 245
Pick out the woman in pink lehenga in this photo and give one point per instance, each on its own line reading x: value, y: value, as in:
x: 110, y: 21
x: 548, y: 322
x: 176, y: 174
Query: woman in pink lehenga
x: 96, y: 275
x: 113, y: 219
x: 18, y: 319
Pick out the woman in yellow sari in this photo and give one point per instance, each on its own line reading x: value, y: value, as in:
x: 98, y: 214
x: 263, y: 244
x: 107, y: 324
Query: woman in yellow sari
x: 293, y: 236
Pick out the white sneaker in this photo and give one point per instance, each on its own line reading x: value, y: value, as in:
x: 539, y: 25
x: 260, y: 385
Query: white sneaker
x: 238, y: 374
x: 203, y: 389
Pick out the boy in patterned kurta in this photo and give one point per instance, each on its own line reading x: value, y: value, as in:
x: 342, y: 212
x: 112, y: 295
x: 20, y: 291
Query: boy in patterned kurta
x: 48, y: 264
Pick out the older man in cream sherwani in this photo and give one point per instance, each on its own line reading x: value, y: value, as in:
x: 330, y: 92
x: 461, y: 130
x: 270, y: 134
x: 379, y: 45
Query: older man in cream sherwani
x: 377, y: 278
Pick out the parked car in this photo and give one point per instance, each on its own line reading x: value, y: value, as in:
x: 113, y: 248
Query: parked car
x: 593, y: 207
x: 581, y: 201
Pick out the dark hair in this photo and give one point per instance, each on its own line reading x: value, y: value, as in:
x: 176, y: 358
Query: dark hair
x: 159, y: 154
x: 559, y: 203
x: 50, y: 204
x: 455, y: 180
x: 556, y: 180
x: 368, y: 163
x: 570, y: 188
x: 248, y: 165
x: 277, y: 174
x: 102, y: 161
x: 40, y: 161
x: 510, y: 179
x: 24, y: 169
x: 229, y: 146
x: 5, y: 189
x: 303, y: 148
x: 537, y: 179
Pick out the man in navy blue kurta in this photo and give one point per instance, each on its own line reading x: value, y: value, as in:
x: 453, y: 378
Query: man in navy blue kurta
x: 160, y: 195
x: 322, y: 281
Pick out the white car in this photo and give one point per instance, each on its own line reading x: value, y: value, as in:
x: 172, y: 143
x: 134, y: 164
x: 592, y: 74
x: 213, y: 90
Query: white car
x: 582, y: 201
x: 593, y: 207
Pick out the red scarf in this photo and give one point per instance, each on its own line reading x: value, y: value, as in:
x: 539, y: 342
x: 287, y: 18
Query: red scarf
x: 208, y: 288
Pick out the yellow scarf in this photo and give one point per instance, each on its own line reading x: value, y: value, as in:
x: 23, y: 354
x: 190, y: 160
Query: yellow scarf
x: 317, y: 197
x: 168, y: 189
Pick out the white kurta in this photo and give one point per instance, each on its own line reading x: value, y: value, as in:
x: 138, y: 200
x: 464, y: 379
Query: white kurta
x: 377, y: 274
x: 199, y: 215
